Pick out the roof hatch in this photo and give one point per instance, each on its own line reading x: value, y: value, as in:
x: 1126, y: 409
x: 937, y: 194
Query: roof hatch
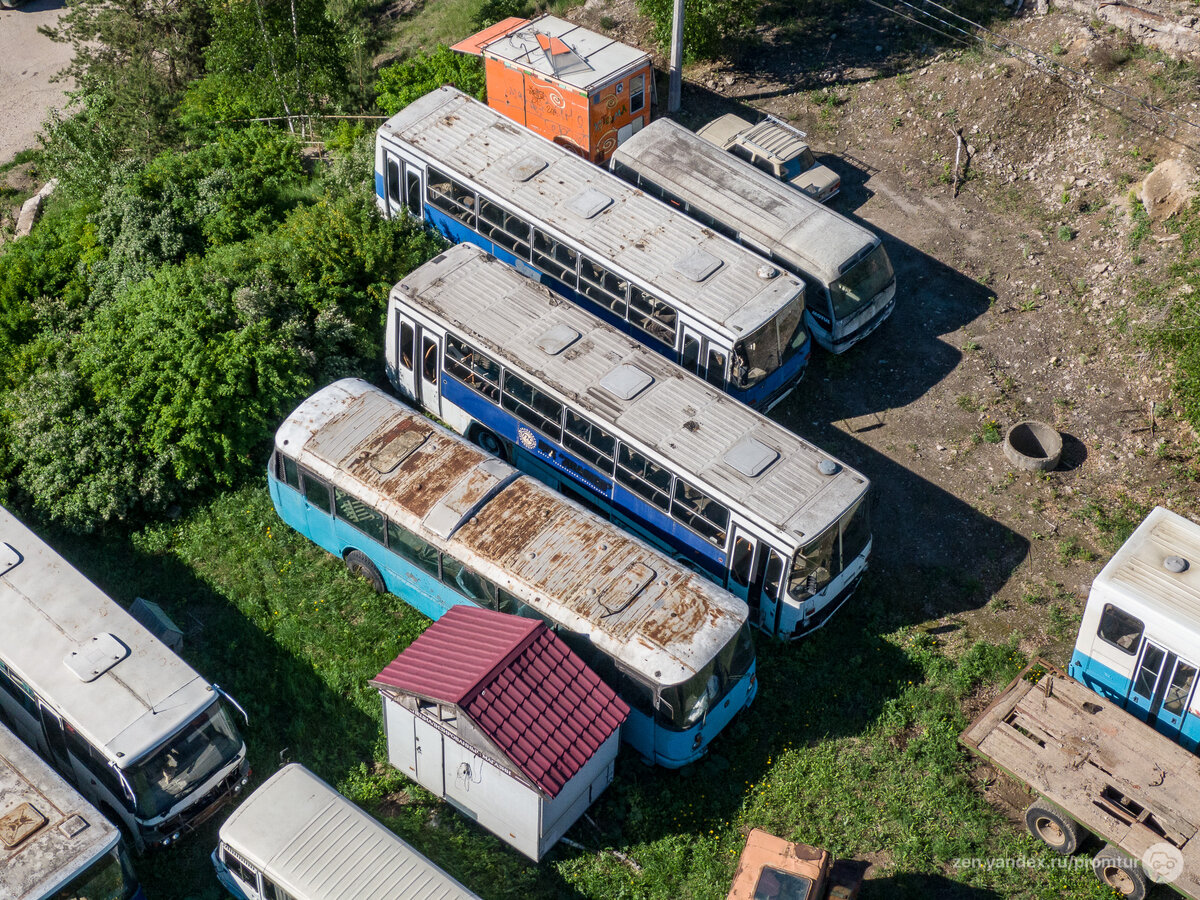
x: 19, y: 824
x: 626, y: 381
x: 96, y: 657
x: 589, y: 202
x: 527, y: 168
x: 557, y: 339
x: 396, y: 450
x: 697, y: 265
x: 625, y: 588
x: 750, y: 457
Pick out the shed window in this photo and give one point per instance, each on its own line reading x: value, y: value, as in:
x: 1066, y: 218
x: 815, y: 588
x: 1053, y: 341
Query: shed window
x: 316, y: 491
x: 602, y: 286
x: 637, y: 93
x: 1120, y: 629
x: 504, y: 228
x: 532, y: 406
x: 454, y: 199
x: 589, y: 442
x: 472, y: 368
x: 701, y: 513
x: 644, y: 478
x: 407, y: 545
x: 653, y: 317
x: 554, y: 258
x: 358, y: 514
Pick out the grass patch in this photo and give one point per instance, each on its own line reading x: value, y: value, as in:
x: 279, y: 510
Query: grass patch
x: 1116, y: 521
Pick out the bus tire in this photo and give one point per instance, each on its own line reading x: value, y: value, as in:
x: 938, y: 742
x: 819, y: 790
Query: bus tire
x: 358, y: 564
x: 1056, y: 830
x: 1119, y: 872
x: 490, y: 442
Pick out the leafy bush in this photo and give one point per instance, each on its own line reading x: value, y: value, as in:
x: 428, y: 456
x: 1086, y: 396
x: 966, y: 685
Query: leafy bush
x: 709, y: 26
x: 400, y: 84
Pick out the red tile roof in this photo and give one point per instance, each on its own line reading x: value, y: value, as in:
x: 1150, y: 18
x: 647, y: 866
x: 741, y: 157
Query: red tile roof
x: 519, y: 683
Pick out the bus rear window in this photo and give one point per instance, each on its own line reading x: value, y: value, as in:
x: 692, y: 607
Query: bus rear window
x: 1120, y: 629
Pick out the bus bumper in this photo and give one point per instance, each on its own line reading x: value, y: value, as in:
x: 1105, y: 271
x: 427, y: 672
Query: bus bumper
x: 166, y: 833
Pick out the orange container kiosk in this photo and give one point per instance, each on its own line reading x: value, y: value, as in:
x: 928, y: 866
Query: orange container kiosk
x: 579, y: 88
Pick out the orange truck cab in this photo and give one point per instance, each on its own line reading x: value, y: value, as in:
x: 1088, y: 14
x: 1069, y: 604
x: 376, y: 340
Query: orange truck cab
x: 774, y: 869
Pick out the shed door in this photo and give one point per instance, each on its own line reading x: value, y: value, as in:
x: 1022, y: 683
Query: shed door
x: 428, y: 756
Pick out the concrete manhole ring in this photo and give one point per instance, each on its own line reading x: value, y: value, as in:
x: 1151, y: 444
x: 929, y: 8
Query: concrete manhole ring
x: 1033, y: 446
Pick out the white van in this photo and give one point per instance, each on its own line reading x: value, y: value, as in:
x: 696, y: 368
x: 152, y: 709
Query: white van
x: 296, y: 838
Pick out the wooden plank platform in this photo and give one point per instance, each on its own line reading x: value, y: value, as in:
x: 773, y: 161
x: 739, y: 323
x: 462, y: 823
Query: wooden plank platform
x: 1110, y: 771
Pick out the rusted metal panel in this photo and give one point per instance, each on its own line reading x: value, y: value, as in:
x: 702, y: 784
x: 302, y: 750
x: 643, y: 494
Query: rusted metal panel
x: 768, y: 863
x: 1116, y: 775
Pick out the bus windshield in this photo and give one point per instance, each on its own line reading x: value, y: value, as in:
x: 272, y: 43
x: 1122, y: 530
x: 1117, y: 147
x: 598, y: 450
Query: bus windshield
x: 204, y: 746
x: 771, y: 346
x: 111, y: 878
x: 821, y: 560
x: 689, y: 702
x: 859, y: 286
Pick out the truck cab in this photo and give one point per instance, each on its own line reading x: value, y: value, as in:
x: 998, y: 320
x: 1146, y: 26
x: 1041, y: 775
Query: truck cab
x: 778, y: 149
x: 774, y: 869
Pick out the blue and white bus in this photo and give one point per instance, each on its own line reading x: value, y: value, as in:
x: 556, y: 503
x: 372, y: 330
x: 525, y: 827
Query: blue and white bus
x: 1139, y: 639
x: 690, y: 294
x: 138, y: 731
x: 507, y: 363
x: 420, y: 512
x: 851, y: 286
x: 54, y: 845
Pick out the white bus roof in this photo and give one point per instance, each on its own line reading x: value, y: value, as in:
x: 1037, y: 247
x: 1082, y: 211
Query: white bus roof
x: 55, y: 620
x: 699, y: 431
x: 637, y: 604
x: 72, y: 835
x: 317, y: 845
x: 647, y: 240
x: 769, y: 212
x: 1139, y: 578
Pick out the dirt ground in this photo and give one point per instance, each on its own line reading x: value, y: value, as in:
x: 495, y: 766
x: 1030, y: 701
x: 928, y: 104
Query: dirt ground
x: 28, y: 60
x: 1014, y: 303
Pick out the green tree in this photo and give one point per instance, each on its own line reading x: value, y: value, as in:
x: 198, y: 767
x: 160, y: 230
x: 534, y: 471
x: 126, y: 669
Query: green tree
x: 400, y: 84
x: 709, y: 26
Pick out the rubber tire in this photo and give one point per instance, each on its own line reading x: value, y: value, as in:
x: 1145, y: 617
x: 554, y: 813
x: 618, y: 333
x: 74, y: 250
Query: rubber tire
x: 490, y: 443
x: 358, y: 564
x: 1055, y: 829
x: 1124, y: 875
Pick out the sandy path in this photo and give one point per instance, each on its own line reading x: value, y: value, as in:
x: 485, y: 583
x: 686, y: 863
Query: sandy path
x: 28, y: 60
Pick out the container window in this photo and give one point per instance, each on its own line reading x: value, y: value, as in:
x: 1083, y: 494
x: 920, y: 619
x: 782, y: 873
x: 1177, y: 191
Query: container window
x: 637, y: 93
x: 1120, y: 629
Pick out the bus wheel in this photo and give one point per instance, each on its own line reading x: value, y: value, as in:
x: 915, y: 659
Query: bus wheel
x: 1119, y: 872
x: 1059, y: 832
x: 358, y: 564
x: 487, y: 440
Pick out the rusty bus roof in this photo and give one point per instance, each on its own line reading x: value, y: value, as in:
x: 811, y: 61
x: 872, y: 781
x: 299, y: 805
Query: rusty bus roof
x: 639, y: 237
x: 765, y: 850
x: 635, y: 603
x: 39, y: 860
x: 688, y: 425
x: 771, y: 213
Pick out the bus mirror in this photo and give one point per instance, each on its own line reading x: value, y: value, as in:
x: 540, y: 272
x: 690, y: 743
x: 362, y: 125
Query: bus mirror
x: 232, y: 702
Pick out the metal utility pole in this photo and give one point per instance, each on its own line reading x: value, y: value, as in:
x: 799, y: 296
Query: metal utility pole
x: 676, y: 84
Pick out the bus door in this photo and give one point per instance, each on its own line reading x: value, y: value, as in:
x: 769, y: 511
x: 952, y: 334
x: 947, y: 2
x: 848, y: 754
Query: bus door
x: 406, y: 355
x: 755, y: 575
x: 1162, y: 686
x: 393, y: 183
x: 429, y: 377
x: 56, y: 739
x: 692, y: 357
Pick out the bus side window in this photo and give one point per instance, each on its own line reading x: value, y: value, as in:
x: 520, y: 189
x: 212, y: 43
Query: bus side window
x: 240, y: 870
x: 364, y: 518
x: 316, y: 491
x: 644, y: 478
x: 472, y: 368
x: 429, y: 361
x: 416, y: 551
x: 406, y: 346
x: 652, y: 316
x: 288, y: 472
x: 413, y: 185
x: 1120, y: 629
x: 556, y: 260
x: 18, y: 690
x: 742, y: 560
x: 473, y: 587
x: 589, y: 442
x: 716, y: 368
x: 533, y: 407
x: 393, y: 178
x: 511, y: 605
x: 600, y: 285
x: 272, y: 891
x: 700, y: 513
x: 452, y: 198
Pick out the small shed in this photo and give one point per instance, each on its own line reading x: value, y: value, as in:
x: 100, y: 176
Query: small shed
x: 578, y: 88
x: 495, y: 714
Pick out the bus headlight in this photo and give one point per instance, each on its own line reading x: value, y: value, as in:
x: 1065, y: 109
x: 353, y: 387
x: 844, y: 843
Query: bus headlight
x: 698, y: 741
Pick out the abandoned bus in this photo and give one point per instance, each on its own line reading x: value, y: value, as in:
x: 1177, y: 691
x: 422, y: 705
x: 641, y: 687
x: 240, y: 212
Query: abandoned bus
x: 690, y: 294
x: 56, y: 845
x: 1139, y: 639
x: 296, y: 838
x: 850, y: 281
x: 422, y: 513
x: 596, y: 415
x: 128, y: 722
